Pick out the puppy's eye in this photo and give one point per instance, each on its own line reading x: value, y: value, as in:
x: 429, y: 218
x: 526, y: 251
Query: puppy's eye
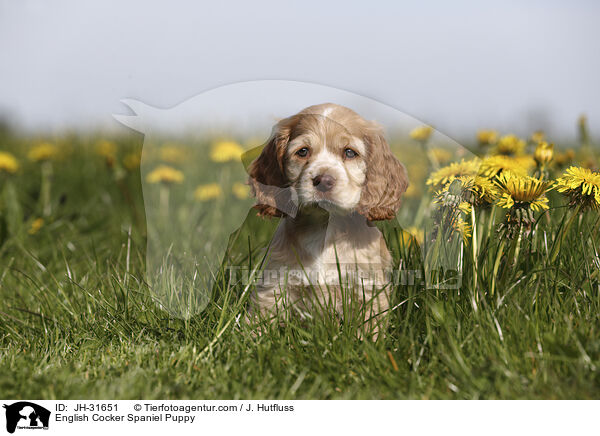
x: 303, y: 152
x: 349, y: 153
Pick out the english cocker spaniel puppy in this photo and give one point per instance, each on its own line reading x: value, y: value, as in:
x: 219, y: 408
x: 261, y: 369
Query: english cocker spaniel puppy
x: 328, y: 173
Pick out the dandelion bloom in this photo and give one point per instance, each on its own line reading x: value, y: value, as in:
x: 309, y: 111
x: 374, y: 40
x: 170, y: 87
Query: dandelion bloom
x: 225, y: 151
x: 453, y: 171
x: 525, y: 161
x: 42, y: 152
x: 581, y: 186
x: 477, y: 190
x: 240, y: 190
x: 487, y: 137
x: 562, y: 159
x: 208, y: 192
x: 537, y: 137
x: 131, y: 161
x: 454, y: 205
x: 36, y: 225
x: 8, y: 162
x: 441, y: 155
x: 543, y: 153
x: 107, y: 149
x: 451, y: 195
x: 494, y: 165
x: 483, y: 189
x: 417, y: 233
x: 465, y: 207
x: 421, y: 133
x: 410, y: 236
x: 165, y: 174
x: 510, y: 145
x: 172, y: 153
x: 463, y: 228
x: 521, y: 192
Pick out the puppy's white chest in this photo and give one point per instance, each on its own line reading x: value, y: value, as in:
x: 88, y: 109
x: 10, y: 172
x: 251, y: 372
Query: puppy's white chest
x: 328, y: 256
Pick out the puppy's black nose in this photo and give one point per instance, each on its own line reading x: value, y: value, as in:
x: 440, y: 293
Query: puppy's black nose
x: 324, y: 182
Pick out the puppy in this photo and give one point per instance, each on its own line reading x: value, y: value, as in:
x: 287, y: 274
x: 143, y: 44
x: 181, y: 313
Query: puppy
x: 328, y: 173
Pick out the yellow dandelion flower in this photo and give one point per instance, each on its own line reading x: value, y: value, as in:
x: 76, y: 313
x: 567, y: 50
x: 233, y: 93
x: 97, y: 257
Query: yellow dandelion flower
x: 417, y: 233
x: 525, y: 161
x: 208, y: 192
x: 476, y: 190
x: 441, y: 155
x: 582, y: 186
x: 165, y: 174
x: 36, y: 225
x: 521, y: 192
x: 451, y: 195
x: 240, y: 190
x: 494, y: 165
x: 453, y: 171
x: 405, y: 238
x: 464, y: 228
x: 131, y: 161
x: 483, y: 188
x: 537, y: 136
x: 510, y: 145
x: 421, y: 133
x: 225, y: 151
x: 107, y: 149
x: 487, y: 137
x: 543, y: 153
x: 410, y: 236
x: 465, y: 207
x: 43, y: 152
x: 8, y: 163
x: 172, y: 153
x: 563, y: 159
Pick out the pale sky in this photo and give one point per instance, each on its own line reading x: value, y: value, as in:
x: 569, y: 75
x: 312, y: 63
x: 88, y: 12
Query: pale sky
x: 457, y: 65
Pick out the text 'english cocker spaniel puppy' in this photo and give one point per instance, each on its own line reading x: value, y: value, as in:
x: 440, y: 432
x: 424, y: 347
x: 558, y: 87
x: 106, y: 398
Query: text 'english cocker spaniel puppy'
x: 328, y: 173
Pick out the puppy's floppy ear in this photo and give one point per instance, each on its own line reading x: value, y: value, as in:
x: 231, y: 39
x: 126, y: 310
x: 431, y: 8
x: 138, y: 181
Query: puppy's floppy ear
x: 267, y: 175
x: 386, y: 178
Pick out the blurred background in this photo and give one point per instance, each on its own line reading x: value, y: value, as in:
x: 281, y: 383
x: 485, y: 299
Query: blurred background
x: 459, y: 66
x: 125, y: 132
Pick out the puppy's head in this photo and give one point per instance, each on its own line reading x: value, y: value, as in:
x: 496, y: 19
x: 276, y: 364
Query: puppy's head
x: 329, y: 157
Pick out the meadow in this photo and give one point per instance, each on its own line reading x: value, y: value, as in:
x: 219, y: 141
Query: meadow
x: 78, y: 318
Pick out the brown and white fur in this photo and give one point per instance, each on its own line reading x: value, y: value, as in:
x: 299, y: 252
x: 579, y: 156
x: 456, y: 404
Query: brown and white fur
x: 328, y: 173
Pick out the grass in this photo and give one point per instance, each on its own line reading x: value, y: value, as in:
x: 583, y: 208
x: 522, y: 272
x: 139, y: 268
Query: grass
x: 77, y: 319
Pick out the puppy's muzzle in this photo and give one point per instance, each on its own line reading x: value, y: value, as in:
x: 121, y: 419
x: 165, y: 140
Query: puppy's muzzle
x: 324, y: 182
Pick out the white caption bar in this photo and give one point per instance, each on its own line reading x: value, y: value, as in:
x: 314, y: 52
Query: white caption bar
x: 23, y: 417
